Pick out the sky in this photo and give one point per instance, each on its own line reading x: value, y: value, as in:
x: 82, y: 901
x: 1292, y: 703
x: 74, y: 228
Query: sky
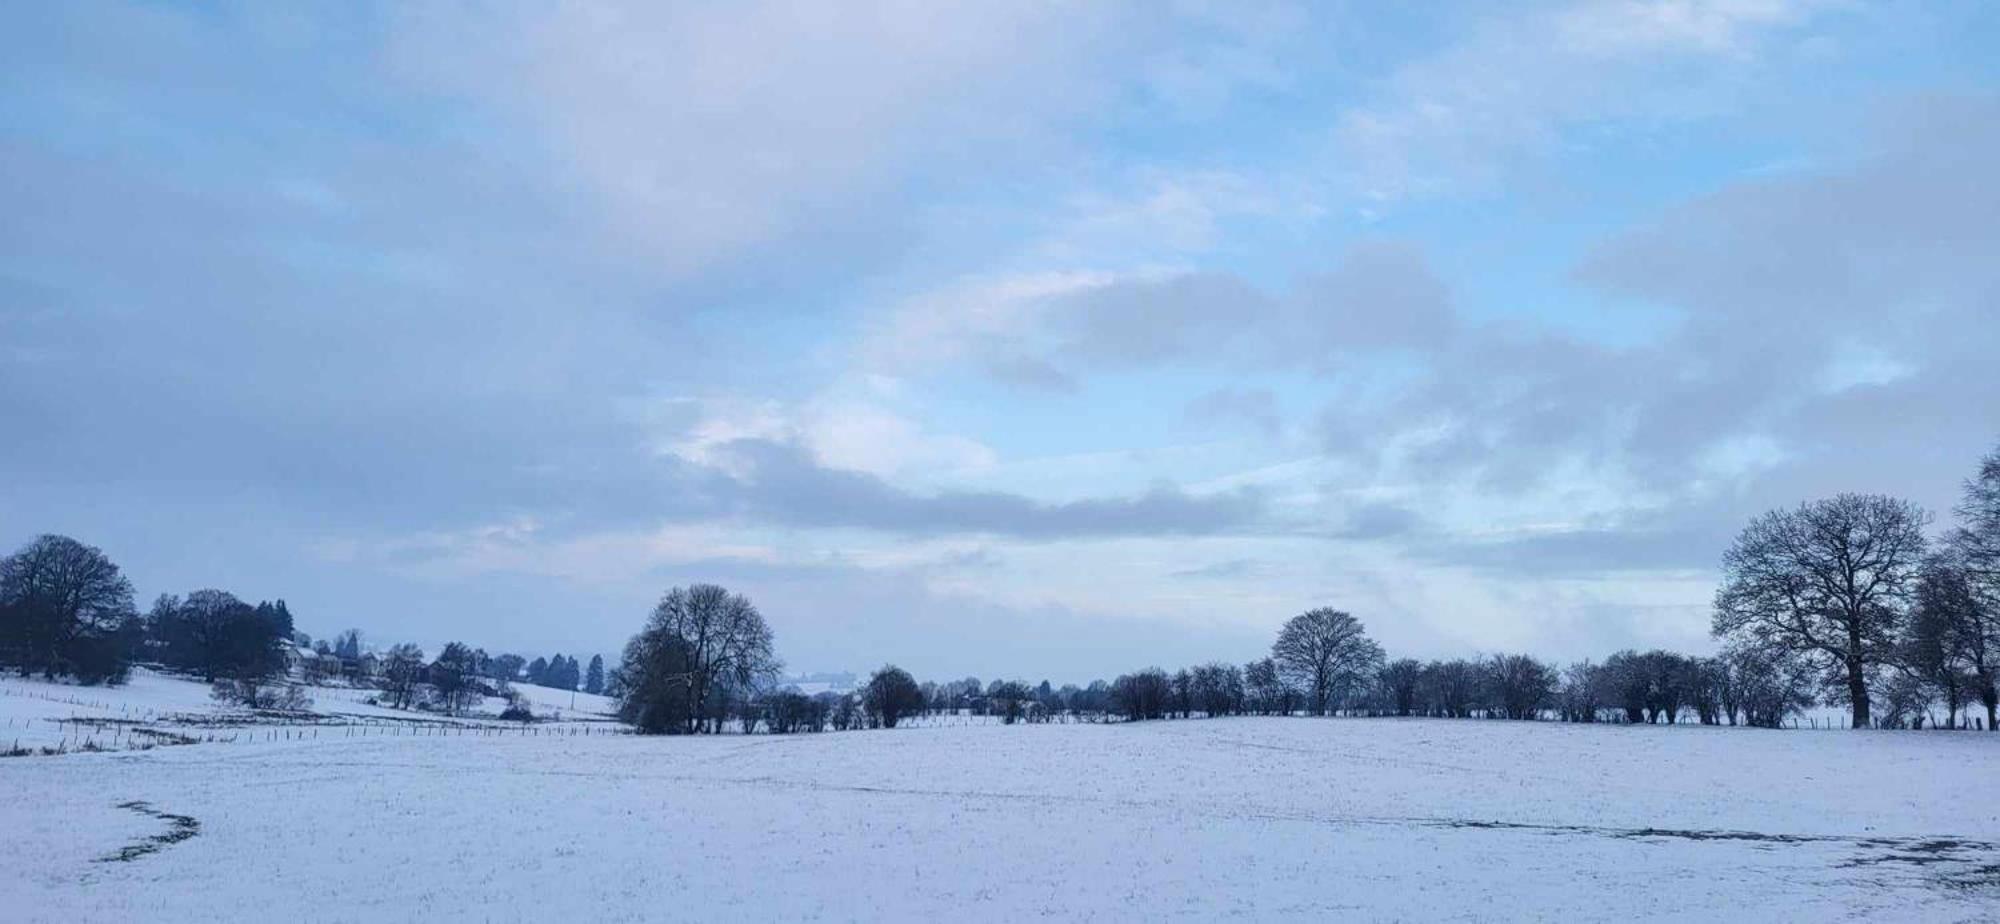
x: 1003, y: 339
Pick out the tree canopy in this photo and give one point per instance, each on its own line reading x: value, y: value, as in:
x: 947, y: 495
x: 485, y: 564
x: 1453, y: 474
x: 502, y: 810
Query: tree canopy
x: 1829, y: 580
x: 1324, y: 650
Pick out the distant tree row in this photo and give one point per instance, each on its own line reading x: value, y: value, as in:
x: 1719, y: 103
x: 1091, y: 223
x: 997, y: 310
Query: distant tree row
x: 561, y: 673
x: 219, y: 637
x: 1840, y: 601
x: 1843, y: 601
x: 1850, y: 594
x: 1737, y: 687
x: 461, y: 677
x: 67, y: 611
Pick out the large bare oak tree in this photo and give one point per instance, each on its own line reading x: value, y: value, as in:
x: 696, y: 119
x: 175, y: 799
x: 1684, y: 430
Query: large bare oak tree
x: 53, y: 592
x: 1830, y: 580
x: 717, y: 639
x: 1324, y: 649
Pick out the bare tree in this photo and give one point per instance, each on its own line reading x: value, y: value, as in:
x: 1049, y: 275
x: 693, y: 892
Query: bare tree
x: 1450, y: 687
x: 1581, y: 692
x: 1520, y: 685
x: 1949, y: 641
x: 1667, y: 676
x: 1706, y: 681
x: 727, y: 642
x: 1978, y: 537
x: 1975, y: 548
x: 1399, y: 680
x: 892, y: 694
x: 1143, y: 694
x: 1769, y: 684
x: 1266, y: 687
x: 788, y: 711
x: 1218, y: 688
x: 653, y: 682
x: 402, y: 670
x: 1010, y: 698
x: 455, y: 679
x: 1905, y: 701
x: 57, y: 596
x: 261, y: 693
x: 1325, y: 649
x: 215, y: 634
x: 1628, y: 685
x: 1183, y: 700
x: 1829, y: 580
x: 843, y: 710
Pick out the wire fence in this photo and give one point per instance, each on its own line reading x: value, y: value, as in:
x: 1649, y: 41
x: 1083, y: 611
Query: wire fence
x: 91, y: 735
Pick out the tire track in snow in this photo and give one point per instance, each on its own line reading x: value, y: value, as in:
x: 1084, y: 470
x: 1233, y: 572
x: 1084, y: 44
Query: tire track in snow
x: 179, y: 828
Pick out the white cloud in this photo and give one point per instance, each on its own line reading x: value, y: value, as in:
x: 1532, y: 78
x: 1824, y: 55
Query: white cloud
x: 1621, y: 27
x: 1457, y: 120
x: 705, y: 129
x: 853, y: 432
x: 1157, y: 215
x: 1047, y: 327
x: 965, y: 318
x: 523, y: 545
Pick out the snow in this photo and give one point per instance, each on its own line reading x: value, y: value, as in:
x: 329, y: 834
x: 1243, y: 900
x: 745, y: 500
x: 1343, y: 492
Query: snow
x: 152, y: 706
x: 1257, y: 819
x: 549, y: 702
x: 38, y: 714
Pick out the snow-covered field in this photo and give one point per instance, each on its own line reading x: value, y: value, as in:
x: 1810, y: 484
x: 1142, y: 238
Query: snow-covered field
x: 1257, y: 819
x: 154, y: 708
x: 549, y: 702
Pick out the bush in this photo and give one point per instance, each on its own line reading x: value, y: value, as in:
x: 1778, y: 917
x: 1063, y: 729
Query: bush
x: 892, y: 694
x: 788, y: 711
x: 517, y: 709
x: 258, y: 694
x: 1142, y: 695
x: 97, y: 659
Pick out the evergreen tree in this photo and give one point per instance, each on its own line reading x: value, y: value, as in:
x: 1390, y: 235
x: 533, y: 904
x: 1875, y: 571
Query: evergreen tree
x: 279, y: 618
x: 593, y: 680
x: 506, y: 667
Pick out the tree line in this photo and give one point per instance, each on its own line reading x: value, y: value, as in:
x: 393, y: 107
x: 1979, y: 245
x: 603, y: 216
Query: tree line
x: 460, y: 678
x: 67, y: 611
x: 1322, y: 663
x: 1841, y: 601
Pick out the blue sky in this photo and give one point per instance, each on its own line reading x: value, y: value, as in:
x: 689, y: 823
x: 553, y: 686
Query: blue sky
x: 1003, y: 339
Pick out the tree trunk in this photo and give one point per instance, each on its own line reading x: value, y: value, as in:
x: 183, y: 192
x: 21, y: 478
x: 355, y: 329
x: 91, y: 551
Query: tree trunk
x: 1857, y: 692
